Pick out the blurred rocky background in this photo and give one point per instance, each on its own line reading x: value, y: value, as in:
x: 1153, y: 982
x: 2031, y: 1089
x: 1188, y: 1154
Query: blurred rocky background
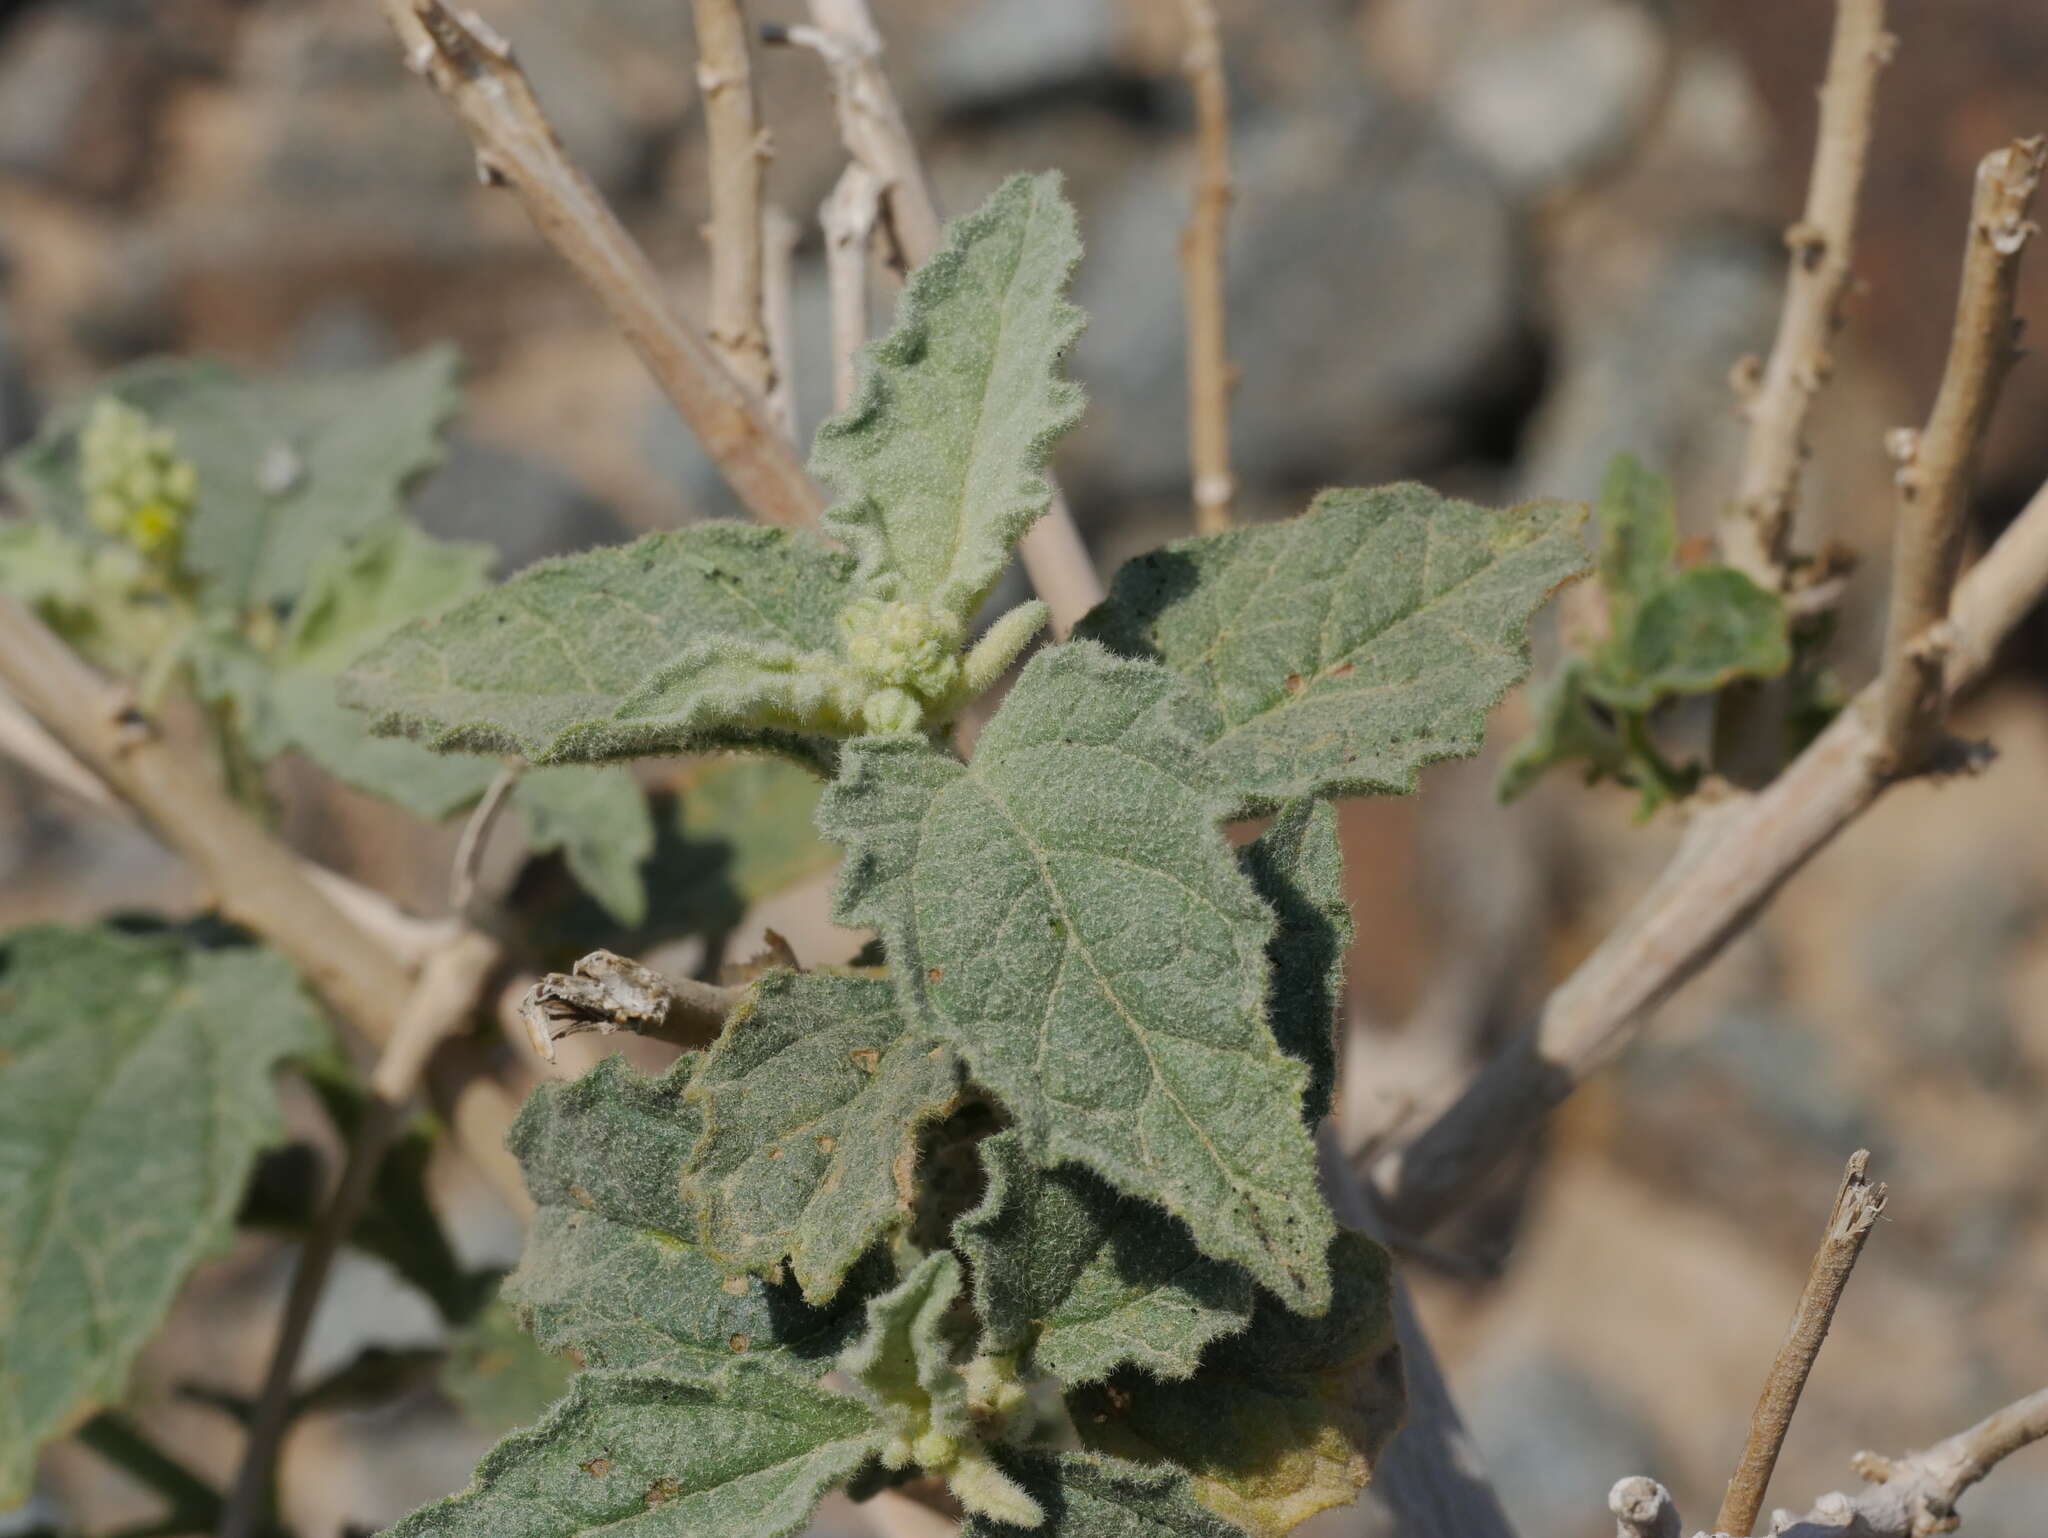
x: 1484, y: 243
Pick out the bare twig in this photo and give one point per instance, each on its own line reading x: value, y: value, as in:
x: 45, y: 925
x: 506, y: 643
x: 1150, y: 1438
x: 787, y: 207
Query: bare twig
x: 738, y: 151
x: 779, y: 236
x: 871, y: 124
x: 256, y: 881
x: 1857, y: 1206
x: 1910, y: 1497
x: 848, y: 217
x: 1201, y: 259
x: 1642, y: 1509
x: 1757, y: 525
x: 473, y: 68
x: 1938, y: 466
x: 476, y: 833
x: 607, y: 993
x: 447, y: 993
x: 1736, y: 857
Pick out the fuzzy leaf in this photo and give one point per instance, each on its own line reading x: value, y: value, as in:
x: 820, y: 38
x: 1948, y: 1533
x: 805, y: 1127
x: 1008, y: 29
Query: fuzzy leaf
x: 287, y: 468
x: 612, y: 1270
x: 904, y: 1361
x: 940, y: 457
x: 1340, y: 652
x: 135, y: 1093
x: 1703, y: 630
x: 1078, y: 1281
x: 756, y: 812
x: 301, y: 711
x: 597, y: 816
x: 359, y: 593
x: 813, y: 1100
x: 1088, y: 1496
x: 1297, y: 865
x: 745, y: 1452
x: 1065, y: 911
x: 591, y: 656
x: 499, y: 1375
x: 1282, y: 1421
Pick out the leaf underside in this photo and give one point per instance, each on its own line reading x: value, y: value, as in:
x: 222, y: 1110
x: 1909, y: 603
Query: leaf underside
x: 812, y: 1101
x: 1282, y: 1421
x: 612, y: 1269
x: 1079, y: 1281
x: 745, y: 1452
x: 940, y: 456
x: 135, y: 1093
x: 1065, y: 912
x: 576, y: 659
x: 1342, y: 651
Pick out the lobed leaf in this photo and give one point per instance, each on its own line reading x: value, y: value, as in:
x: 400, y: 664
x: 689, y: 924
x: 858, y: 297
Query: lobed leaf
x: 612, y: 1270
x: 135, y: 1094
x: 940, y: 456
x: 1340, y: 652
x: 613, y: 653
x: 745, y: 1452
x: 1085, y: 1495
x: 813, y: 1101
x: 1282, y: 1421
x: 1077, y: 1281
x: 1065, y: 912
x: 288, y: 468
x: 1297, y: 866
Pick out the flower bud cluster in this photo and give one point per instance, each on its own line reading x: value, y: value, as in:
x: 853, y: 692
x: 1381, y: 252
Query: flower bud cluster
x: 906, y: 653
x: 137, y: 487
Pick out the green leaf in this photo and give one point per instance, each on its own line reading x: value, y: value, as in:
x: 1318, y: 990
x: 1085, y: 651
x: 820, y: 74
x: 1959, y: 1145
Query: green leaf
x: 288, y: 468
x: 500, y: 1376
x: 302, y: 711
x: 1282, y: 1421
x: 1088, y: 1496
x: 1077, y: 1281
x: 940, y: 457
x: 358, y: 593
x: 1703, y: 630
x: 1065, y: 911
x: 43, y: 566
x: 1340, y: 652
x: 612, y: 653
x: 135, y: 1093
x: 612, y: 1270
x: 813, y: 1101
x: 756, y: 813
x: 743, y: 1453
x: 1638, y: 536
x: 1568, y: 729
x: 597, y: 816
x: 1297, y: 866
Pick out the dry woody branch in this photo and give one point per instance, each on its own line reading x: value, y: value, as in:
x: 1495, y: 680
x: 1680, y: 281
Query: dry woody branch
x: 1202, y: 274
x: 738, y: 152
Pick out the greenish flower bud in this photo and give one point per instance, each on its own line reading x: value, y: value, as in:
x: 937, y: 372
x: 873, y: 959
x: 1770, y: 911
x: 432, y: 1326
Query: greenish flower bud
x: 137, y: 489
x: 903, y: 645
x: 892, y: 710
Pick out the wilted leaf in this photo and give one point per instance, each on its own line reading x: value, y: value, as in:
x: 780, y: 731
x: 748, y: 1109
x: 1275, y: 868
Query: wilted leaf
x: 1282, y: 1421
x: 1065, y: 911
x: 597, y: 816
x: 603, y: 654
x: 743, y: 1453
x: 1078, y: 1281
x: 939, y: 458
x: 288, y: 468
x: 813, y: 1100
x: 612, y: 1270
x: 135, y: 1093
x: 1297, y: 865
x: 1088, y: 1496
x: 1340, y: 652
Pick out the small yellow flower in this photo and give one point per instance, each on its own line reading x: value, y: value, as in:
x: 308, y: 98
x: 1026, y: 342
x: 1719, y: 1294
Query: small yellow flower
x: 137, y: 488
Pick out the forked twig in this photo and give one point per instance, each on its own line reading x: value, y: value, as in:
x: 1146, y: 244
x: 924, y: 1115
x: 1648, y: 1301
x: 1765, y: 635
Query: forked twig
x: 1202, y: 274
x: 1938, y: 466
x: 1858, y: 1205
x: 473, y: 68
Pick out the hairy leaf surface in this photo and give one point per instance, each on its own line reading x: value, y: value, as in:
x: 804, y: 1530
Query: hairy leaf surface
x: 745, y: 1452
x: 135, y: 1093
x: 813, y: 1100
x: 1282, y: 1421
x: 1077, y: 1281
x: 614, y: 652
x: 597, y: 816
x: 499, y: 1375
x: 1088, y: 1496
x: 1297, y: 865
x: 1066, y: 912
x: 612, y: 1269
x: 940, y: 456
x: 287, y: 467
x: 1340, y: 652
